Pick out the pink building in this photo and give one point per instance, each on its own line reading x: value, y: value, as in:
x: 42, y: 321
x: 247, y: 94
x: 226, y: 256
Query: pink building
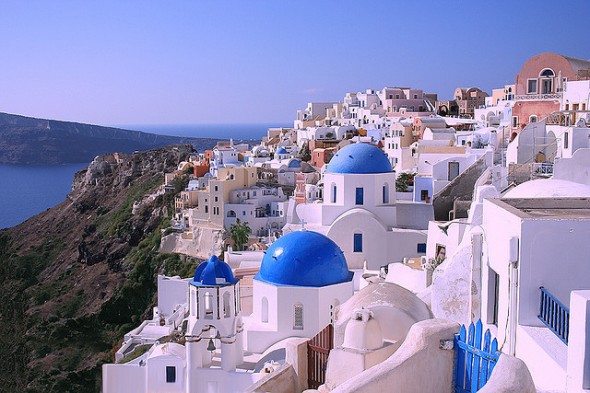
x: 539, y: 86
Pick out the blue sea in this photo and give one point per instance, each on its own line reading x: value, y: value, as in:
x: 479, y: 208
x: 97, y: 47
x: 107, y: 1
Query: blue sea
x: 29, y: 190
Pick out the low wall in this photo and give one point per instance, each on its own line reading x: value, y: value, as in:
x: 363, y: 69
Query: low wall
x: 283, y: 380
x: 509, y: 375
x: 419, y: 365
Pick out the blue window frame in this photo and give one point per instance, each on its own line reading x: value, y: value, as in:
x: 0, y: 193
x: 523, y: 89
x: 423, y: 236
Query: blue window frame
x: 358, y: 242
x: 421, y: 248
x: 359, y: 195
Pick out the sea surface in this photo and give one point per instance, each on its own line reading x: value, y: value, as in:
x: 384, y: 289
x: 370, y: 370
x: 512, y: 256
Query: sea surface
x: 29, y: 190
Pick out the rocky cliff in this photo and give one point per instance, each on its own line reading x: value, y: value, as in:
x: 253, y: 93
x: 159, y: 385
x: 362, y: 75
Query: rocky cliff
x: 26, y: 140
x: 75, y: 278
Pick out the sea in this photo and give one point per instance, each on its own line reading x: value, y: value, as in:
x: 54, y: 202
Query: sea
x: 27, y: 190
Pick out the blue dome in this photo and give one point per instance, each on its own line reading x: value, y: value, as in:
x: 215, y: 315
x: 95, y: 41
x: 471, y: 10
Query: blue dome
x: 281, y: 150
x: 213, y: 272
x: 359, y: 158
x: 304, y: 259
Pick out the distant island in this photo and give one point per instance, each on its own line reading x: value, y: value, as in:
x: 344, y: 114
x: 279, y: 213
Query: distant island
x: 29, y: 141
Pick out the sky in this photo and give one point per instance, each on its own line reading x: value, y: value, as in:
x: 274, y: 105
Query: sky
x: 195, y: 62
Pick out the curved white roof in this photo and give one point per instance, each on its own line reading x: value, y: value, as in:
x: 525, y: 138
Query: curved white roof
x: 548, y: 188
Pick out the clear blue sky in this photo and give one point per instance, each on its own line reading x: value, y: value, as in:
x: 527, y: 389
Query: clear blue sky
x: 188, y: 62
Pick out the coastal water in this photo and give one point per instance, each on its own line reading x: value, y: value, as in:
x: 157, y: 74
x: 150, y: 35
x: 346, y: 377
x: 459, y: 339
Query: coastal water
x: 29, y: 190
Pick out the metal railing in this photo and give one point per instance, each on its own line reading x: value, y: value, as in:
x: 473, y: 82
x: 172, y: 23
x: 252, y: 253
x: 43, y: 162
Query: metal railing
x: 555, y: 315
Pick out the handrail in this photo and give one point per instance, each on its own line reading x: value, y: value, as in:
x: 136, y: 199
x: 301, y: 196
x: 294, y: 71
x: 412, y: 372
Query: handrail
x: 554, y: 314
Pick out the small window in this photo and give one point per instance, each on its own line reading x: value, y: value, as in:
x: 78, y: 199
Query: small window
x: 385, y: 193
x: 216, y: 188
x: 359, y: 195
x: 453, y: 170
x: 566, y: 141
x: 531, y: 86
x: 298, y: 317
x: 206, y: 208
x: 170, y: 374
x: 334, y: 189
x: 493, y: 296
x: 216, y: 199
x: 514, y: 121
x: 423, y: 195
x: 533, y: 119
x: 358, y: 242
x: 421, y: 248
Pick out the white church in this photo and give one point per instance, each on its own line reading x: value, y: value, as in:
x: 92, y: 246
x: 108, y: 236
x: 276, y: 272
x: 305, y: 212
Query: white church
x: 361, y: 213
x: 302, y: 278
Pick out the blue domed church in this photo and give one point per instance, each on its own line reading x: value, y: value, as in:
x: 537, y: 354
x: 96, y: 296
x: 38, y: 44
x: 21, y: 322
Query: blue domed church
x: 360, y: 211
x: 302, y: 278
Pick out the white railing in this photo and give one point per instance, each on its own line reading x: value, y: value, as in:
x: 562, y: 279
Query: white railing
x: 538, y: 97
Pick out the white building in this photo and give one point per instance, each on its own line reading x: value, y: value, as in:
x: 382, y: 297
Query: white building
x: 302, y: 279
x: 360, y: 211
x: 261, y: 207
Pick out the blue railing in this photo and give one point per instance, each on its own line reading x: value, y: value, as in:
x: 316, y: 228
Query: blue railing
x: 555, y: 315
x: 475, y: 358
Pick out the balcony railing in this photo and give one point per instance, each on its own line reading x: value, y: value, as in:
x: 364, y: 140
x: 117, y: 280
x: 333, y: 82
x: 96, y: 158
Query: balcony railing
x: 538, y: 97
x: 554, y: 315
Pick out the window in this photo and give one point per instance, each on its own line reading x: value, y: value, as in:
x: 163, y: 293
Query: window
x: 415, y: 96
x: 298, y: 317
x: 531, y: 86
x: 170, y: 374
x: 514, y: 121
x: 359, y: 196
x: 533, y: 119
x: 423, y: 195
x: 226, y: 305
x: 421, y: 248
x: 216, y: 199
x: 397, y: 96
x: 208, y: 305
x: 385, y: 193
x: 493, y: 293
x: 547, y: 86
x: 547, y: 72
x: 566, y: 142
x: 358, y: 242
x: 264, y: 310
x: 206, y: 208
x: 334, y: 189
x: 453, y: 170
x: 216, y: 188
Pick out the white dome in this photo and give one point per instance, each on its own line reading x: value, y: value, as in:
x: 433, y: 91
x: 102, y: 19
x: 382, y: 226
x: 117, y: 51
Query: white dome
x: 548, y: 188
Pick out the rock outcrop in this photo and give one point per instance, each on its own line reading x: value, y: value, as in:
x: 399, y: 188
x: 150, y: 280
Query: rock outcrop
x: 76, y: 277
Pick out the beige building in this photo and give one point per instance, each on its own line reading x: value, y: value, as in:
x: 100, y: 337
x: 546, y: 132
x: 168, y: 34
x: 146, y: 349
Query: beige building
x: 210, y: 202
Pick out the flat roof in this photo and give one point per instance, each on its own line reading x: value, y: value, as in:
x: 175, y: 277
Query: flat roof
x: 546, y: 208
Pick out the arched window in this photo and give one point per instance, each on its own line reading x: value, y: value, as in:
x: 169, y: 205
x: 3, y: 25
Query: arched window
x: 385, y: 193
x: 334, y: 189
x: 298, y: 316
x: 264, y: 310
x: 547, y: 72
x: 226, y: 305
x: 533, y: 119
x: 208, y: 305
x: 231, y: 213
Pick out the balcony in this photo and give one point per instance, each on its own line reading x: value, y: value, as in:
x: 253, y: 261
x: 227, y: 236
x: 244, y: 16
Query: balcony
x: 538, y: 97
